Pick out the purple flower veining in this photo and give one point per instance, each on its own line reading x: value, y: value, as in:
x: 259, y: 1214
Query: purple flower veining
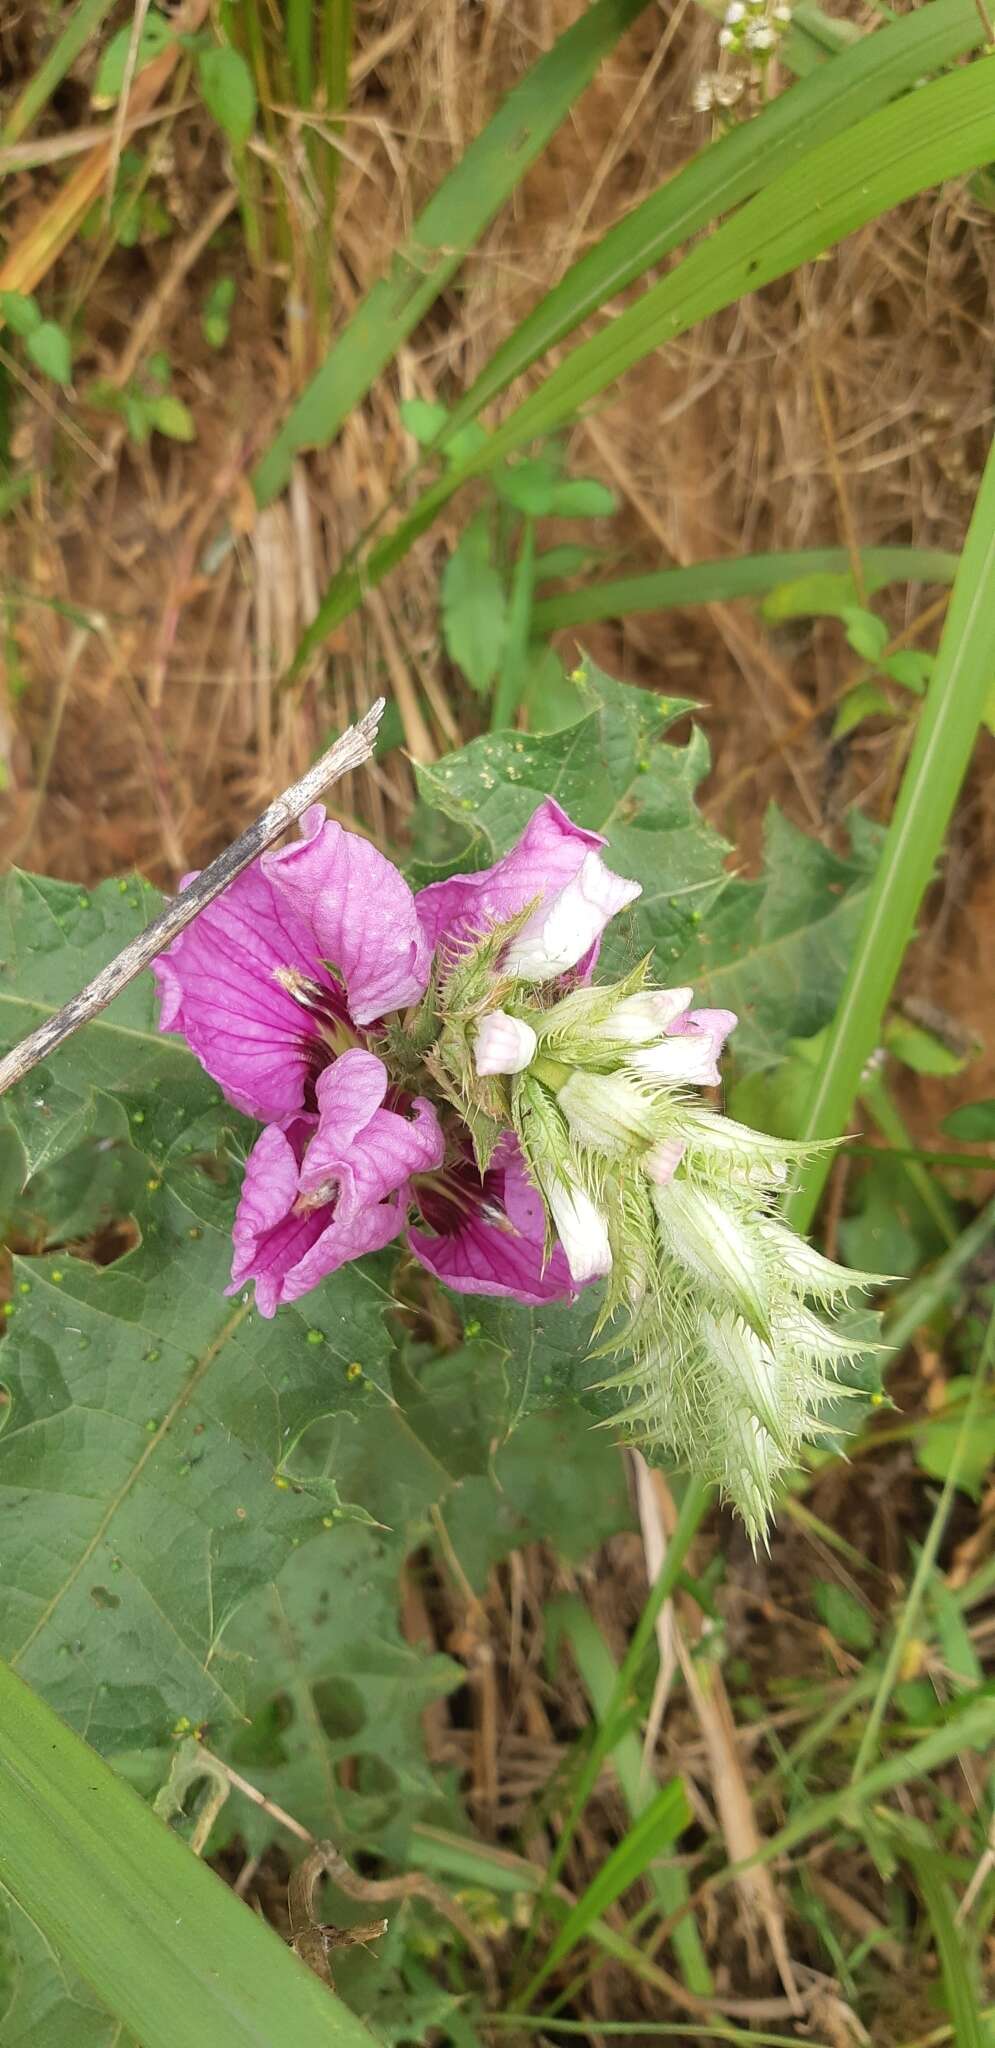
x: 280, y: 988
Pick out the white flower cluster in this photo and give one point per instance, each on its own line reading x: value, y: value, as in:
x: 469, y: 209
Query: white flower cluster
x: 753, y: 27
x: 750, y: 33
x: 720, y: 1322
x: 717, y: 89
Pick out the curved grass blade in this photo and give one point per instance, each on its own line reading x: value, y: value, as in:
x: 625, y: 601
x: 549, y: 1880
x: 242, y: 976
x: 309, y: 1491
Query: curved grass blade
x: 952, y: 712
x: 737, y: 576
x: 741, y: 163
x: 940, y: 132
x: 451, y: 223
x: 161, y: 1940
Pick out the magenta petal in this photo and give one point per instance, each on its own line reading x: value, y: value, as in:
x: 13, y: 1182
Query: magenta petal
x: 218, y: 986
x: 324, y: 1190
x: 367, y: 1231
x: 369, y: 1151
x: 549, y: 853
x: 348, y: 1092
x: 267, y: 1238
x: 360, y: 911
x: 498, y: 1248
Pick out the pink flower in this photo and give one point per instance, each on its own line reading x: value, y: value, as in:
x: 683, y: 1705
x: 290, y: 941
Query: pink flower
x: 279, y: 988
x: 556, y: 865
x: 320, y: 1190
x: 489, y: 1235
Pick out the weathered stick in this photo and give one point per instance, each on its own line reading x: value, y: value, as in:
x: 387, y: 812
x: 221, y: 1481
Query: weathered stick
x: 354, y: 747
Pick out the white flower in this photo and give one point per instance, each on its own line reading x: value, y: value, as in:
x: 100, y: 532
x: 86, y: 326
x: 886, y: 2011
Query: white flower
x: 736, y: 12
x: 641, y: 1019
x: 503, y: 1044
x: 609, y: 1112
x: 690, y: 1060
x: 563, y: 930
x: 691, y: 1053
x: 760, y: 36
x: 726, y: 38
x: 581, y: 1229
x: 702, y: 95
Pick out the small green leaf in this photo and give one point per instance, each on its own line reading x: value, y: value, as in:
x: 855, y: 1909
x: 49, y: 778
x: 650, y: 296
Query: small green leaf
x: 867, y: 700
x: 137, y: 417
x: 529, y: 486
x: 21, y: 312
x: 474, y: 610
x: 920, y: 1049
x: 844, y: 1615
x: 425, y: 420
x: 50, y: 350
x: 215, y: 320
x: 568, y: 560
x: 941, y: 1439
x: 823, y: 594
x: 156, y: 34
x: 974, y: 1122
x: 582, y: 497
x: 172, y: 418
x: 867, y: 634
x: 228, y: 92
x: 911, y: 667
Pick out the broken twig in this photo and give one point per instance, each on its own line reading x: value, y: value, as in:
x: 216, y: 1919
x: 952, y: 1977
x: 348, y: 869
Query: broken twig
x: 354, y: 747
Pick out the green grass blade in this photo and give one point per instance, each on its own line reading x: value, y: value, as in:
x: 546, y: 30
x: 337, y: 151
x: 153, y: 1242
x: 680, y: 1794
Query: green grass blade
x: 451, y: 223
x: 693, y: 1506
x: 657, y: 1827
x: 940, y: 132
x: 972, y: 1728
x: 741, y: 163
x: 948, y: 726
x: 737, y: 576
x: 599, y: 1676
x: 162, y: 1941
x: 300, y: 54
x: 968, y: 2029
x: 53, y: 68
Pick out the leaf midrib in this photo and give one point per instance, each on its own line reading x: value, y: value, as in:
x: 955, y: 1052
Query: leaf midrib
x: 8, y: 1001
x: 197, y: 1373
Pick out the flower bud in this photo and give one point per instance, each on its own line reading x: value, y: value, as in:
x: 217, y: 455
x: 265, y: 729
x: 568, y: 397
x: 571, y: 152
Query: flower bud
x: 503, y: 1044
x: 609, y: 1112
x: 642, y: 1019
x: 581, y: 1229
x: 565, y: 929
x: 690, y: 1052
x: 714, y: 1241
